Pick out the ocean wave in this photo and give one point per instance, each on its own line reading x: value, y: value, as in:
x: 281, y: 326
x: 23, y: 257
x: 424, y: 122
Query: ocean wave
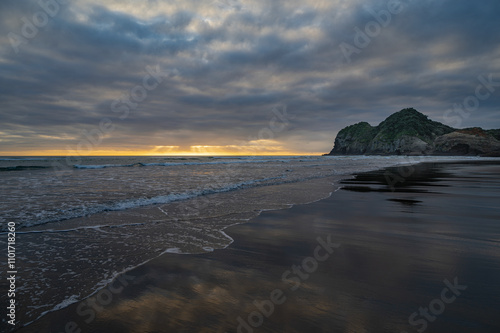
x: 29, y: 158
x: 141, y: 202
x: 23, y: 167
x: 103, y: 166
x: 140, y: 164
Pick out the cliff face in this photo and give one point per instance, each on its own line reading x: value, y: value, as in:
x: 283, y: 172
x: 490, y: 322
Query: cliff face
x: 409, y: 132
x: 495, y: 133
x: 473, y: 141
x: 354, y: 139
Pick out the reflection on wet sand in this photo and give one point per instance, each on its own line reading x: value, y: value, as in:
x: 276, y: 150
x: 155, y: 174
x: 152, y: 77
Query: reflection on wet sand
x: 396, y: 249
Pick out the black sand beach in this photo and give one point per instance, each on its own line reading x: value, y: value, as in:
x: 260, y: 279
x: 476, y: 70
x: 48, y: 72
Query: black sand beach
x: 421, y: 255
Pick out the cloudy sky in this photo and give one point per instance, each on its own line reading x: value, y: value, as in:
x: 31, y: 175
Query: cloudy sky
x: 237, y: 76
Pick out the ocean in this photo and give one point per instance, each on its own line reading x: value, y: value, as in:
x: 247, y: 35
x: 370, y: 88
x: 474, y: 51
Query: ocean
x: 78, y: 226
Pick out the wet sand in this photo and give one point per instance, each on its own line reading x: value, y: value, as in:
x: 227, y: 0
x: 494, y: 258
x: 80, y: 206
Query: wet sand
x: 367, y: 259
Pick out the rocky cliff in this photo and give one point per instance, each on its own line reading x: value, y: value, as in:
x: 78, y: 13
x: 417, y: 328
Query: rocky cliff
x: 409, y: 132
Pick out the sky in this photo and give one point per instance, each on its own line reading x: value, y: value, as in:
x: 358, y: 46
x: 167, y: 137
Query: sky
x: 102, y: 77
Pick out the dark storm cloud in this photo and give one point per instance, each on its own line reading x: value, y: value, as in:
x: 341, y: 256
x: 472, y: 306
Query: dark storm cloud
x: 231, y: 61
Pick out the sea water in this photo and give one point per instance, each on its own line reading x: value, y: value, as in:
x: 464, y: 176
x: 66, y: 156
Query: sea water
x: 80, y: 225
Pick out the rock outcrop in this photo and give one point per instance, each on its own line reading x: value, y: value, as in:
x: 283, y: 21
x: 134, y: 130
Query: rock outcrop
x: 409, y: 132
x: 354, y: 139
x: 474, y: 141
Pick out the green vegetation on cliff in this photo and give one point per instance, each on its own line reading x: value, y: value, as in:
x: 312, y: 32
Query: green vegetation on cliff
x: 495, y: 133
x: 362, y: 132
x: 410, y: 122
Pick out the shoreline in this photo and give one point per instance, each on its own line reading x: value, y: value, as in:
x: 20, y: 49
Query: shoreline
x: 171, y: 283
x: 222, y: 231
x: 67, y: 303
x: 183, y: 197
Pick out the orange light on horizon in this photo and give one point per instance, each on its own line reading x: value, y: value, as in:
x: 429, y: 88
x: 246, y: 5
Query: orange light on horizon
x: 255, y: 147
x: 198, y: 150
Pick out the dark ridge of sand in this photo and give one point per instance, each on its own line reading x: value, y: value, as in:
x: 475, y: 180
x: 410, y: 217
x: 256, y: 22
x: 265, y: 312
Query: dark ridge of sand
x: 397, y: 245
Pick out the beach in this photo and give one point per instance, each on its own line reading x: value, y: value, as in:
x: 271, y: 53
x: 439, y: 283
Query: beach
x: 79, y: 226
x: 408, y: 249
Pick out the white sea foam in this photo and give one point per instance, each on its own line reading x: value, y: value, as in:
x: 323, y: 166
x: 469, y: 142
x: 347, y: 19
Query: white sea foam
x: 103, y: 166
x: 140, y: 202
x: 173, y: 250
